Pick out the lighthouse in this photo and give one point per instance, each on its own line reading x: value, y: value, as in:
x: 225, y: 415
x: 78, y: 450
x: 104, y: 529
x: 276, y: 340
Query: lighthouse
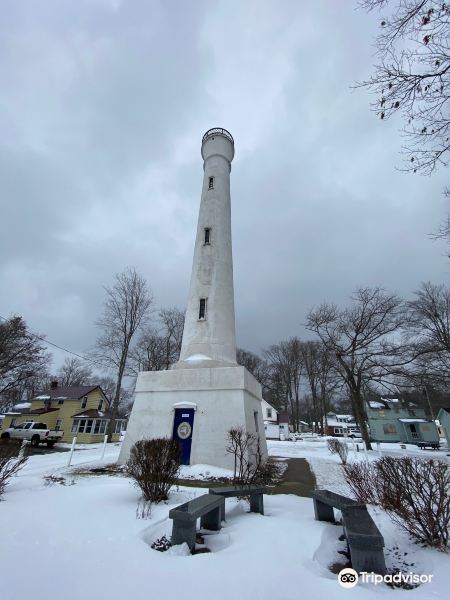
x: 206, y: 393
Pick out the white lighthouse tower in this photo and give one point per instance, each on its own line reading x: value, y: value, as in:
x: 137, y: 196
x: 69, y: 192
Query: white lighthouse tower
x: 206, y: 393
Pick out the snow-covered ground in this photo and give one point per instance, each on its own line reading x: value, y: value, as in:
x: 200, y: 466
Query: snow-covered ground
x: 84, y: 541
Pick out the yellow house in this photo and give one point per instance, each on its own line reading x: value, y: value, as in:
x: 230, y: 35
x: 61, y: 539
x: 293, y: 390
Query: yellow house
x: 81, y: 411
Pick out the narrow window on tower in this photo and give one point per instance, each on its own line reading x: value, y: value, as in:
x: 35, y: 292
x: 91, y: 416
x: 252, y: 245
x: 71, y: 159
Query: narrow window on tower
x: 207, y: 236
x: 202, y: 309
x: 211, y: 183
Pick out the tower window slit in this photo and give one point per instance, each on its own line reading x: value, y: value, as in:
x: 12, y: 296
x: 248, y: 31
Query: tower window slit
x: 202, y: 309
x: 211, y: 183
x: 207, y: 236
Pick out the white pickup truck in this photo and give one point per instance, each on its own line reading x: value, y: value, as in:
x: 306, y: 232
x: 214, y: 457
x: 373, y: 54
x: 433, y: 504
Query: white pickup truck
x: 36, y: 433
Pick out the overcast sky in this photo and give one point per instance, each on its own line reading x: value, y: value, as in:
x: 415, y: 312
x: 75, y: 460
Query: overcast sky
x: 103, y: 104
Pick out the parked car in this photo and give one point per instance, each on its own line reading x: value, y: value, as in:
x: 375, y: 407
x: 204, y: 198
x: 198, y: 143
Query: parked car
x: 36, y: 433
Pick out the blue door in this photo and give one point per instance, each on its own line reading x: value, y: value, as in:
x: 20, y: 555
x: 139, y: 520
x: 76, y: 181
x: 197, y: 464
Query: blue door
x: 183, y: 426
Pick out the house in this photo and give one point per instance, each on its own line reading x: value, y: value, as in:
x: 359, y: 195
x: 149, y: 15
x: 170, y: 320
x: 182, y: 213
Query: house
x: 81, y: 411
x: 276, y: 424
x: 444, y: 419
x: 341, y: 425
x: 390, y: 420
x: 270, y: 414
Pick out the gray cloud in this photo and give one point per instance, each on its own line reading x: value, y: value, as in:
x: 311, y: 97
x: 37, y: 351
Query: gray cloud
x: 102, y: 109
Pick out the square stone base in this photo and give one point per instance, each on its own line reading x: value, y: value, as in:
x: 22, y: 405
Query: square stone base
x: 223, y: 397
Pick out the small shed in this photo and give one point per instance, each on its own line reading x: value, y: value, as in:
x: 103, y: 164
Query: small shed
x: 419, y: 431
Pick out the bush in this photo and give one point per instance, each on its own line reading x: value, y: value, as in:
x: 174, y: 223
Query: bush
x: 154, y: 465
x: 414, y: 492
x: 361, y: 478
x: 13, y: 457
x: 335, y: 446
x: 249, y: 464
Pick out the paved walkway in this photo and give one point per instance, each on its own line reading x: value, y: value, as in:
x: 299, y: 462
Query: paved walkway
x: 298, y: 479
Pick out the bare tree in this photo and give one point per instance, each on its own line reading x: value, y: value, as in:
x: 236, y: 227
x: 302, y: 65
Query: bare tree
x: 149, y: 353
x: 428, y: 329
x: 23, y: 358
x: 158, y: 349
x: 108, y: 385
x: 256, y: 365
x: 362, y: 338
x: 286, y: 363
x: 74, y: 371
x: 412, y: 76
x: 126, y: 308
x: 321, y: 377
x: 172, y: 320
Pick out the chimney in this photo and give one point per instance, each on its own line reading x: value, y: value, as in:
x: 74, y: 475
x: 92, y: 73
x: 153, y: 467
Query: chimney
x: 53, y: 385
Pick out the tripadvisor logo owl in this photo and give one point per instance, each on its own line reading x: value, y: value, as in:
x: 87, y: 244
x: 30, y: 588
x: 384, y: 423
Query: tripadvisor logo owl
x: 348, y: 578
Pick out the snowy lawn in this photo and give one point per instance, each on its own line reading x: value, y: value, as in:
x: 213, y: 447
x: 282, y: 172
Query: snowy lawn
x: 85, y: 541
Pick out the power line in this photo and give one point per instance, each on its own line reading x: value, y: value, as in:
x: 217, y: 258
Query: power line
x: 89, y: 360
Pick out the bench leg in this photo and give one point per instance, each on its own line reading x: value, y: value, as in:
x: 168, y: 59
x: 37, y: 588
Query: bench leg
x: 257, y: 503
x: 183, y: 531
x: 368, y: 560
x: 323, y: 512
x: 212, y: 520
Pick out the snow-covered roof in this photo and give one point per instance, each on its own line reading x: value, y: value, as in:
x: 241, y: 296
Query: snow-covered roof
x: 42, y: 397
x: 375, y: 404
x: 22, y: 405
x: 415, y: 420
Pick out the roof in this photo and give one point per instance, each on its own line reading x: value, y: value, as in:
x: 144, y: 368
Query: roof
x: 445, y: 409
x: 71, y: 392
x: 415, y: 420
x: 36, y: 411
x: 379, y: 404
x: 92, y: 413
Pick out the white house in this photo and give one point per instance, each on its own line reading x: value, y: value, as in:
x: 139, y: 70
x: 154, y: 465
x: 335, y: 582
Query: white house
x: 270, y: 414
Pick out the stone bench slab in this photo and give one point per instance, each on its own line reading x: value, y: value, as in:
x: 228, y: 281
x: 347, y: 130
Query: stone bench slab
x: 238, y: 490
x: 360, y: 529
x: 332, y: 499
x: 192, y: 510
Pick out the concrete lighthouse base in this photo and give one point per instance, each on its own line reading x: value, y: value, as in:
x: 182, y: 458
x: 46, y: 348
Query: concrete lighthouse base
x: 217, y: 398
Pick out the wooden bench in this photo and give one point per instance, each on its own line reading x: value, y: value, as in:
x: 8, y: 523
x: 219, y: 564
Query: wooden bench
x: 324, y: 501
x: 209, y: 508
x: 364, y: 540
x: 237, y: 491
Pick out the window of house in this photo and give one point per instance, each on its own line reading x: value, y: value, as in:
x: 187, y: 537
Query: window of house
x: 269, y: 413
x: 75, y: 426
x: 84, y: 402
x: 88, y: 427
x: 255, y: 415
x: 58, y: 425
x: 119, y: 426
x: 103, y: 424
x: 211, y: 183
x: 81, y: 425
x: 389, y: 428
x: 202, y: 309
x: 100, y: 405
x: 207, y: 236
x: 338, y: 430
x: 13, y: 422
